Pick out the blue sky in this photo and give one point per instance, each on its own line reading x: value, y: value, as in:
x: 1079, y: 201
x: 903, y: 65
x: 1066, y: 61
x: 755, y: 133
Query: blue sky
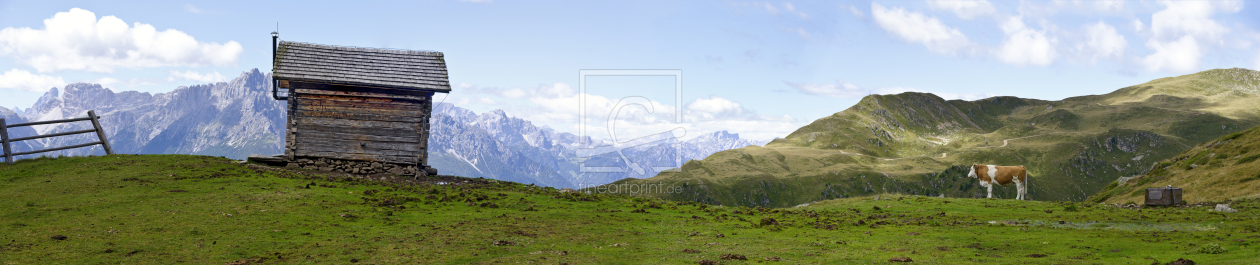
x: 761, y: 69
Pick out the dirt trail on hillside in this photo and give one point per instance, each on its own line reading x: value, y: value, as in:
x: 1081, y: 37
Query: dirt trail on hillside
x: 1004, y: 143
x: 1007, y: 141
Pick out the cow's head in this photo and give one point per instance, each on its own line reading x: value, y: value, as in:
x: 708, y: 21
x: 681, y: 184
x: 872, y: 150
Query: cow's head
x: 972, y: 174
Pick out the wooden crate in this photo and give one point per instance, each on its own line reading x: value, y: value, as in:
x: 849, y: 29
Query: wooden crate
x: 1163, y: 196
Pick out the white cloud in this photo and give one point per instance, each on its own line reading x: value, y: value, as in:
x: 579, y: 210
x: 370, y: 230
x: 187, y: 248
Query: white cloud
x: 856, y: 13
x: 1191, y: 18
x: 110, y: 82
x: 190, y: 75
x: 559, y: 103
x: 771, y: 8
x: 1025, y: 46
x: 964, y: 9
x: 1180, y: 32
x: 513, y: 93
x: 104, y: 81
x: 192, y: 9
x: 838, y: 89
x: 787, y: 6
x: 716, y: 106
x: 1104, y: 5
x: 466, y: 88
x: 800, y: 32
x: 25, y: 80
x: 1046, y: 9
x: 918, y: 28
x: 1181, y: 55
x: 1138, y: 26
x: 76, y: 40
x: 1102, y: 41
x: 555, y: 90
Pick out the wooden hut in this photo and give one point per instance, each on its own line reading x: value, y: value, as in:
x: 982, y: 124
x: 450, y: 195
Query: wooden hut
x: 359, y: 110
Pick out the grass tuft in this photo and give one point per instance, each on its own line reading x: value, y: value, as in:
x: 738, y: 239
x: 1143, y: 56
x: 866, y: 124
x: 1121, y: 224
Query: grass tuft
x: 1211, y: 248
x: 1248, y: 159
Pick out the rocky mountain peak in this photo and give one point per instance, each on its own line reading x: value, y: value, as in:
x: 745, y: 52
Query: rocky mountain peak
x: 49, y: 101
x: 81, y: 97
x: 458, y: 114
x: 233, y: 119
x: 723, y: 134
x: 6, y: 113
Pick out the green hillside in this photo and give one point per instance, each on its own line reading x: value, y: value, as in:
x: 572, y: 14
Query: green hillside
x: 165, y: 209
x: 917, y: 143
x: 1215, y: 171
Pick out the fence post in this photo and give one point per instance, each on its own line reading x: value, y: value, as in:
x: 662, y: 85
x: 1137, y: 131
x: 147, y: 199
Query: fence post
x: 4, y: 136
x: 99, y: 133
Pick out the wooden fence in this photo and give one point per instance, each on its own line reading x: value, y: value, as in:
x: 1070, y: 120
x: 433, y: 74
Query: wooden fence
x: 96, y: 125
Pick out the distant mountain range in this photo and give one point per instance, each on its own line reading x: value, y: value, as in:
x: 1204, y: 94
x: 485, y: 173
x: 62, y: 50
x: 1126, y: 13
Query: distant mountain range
x: 237, y: 118
x: 493, y: 145
x: 232, y: 119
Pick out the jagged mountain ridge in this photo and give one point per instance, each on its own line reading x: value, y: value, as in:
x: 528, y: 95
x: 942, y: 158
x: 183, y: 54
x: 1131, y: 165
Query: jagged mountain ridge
x: 238, y: 118
x: 232, y: 119
x: 495, y: 145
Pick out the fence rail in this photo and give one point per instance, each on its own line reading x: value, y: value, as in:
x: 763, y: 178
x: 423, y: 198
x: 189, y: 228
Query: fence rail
x: 96, y: 125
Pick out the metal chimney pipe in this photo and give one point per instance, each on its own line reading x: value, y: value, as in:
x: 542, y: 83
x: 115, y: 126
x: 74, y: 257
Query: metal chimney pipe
x: 275, y: 83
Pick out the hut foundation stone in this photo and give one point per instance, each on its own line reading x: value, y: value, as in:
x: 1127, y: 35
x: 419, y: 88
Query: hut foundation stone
x: 354, y: 167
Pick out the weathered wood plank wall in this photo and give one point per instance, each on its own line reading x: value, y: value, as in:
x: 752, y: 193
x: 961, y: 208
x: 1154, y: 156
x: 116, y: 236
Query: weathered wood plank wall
x: 369, y: 124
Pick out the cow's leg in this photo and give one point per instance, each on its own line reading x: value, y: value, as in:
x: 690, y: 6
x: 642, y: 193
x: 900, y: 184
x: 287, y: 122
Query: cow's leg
x: 1018, y: 186
x: 1019, y: 190
x: 1023, y: 188
x: 990, y: 190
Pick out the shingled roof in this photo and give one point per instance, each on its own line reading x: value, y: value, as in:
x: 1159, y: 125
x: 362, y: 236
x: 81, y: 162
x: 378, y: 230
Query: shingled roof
x: 405, y: 69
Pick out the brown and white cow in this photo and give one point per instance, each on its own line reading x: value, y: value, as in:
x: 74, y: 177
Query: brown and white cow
x: 1001, y: 175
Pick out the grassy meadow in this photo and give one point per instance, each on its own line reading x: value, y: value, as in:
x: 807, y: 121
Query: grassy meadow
x: 162, y: 209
